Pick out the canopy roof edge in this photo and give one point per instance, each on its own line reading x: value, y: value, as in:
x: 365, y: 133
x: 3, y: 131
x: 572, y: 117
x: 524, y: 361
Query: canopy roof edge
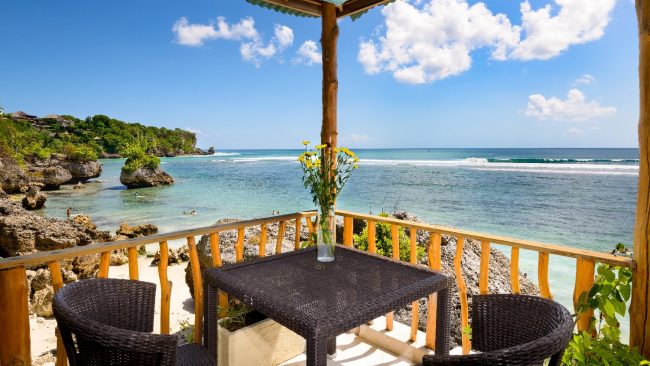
x: 313, y: 8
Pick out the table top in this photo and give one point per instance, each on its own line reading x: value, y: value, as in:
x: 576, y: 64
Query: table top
x: 313, y: 298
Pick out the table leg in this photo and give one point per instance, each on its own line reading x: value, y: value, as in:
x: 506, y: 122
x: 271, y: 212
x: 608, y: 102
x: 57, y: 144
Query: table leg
x: 331, y: 346
x: 442, y: 323
x: 210, y: 319
x: 317, y: 351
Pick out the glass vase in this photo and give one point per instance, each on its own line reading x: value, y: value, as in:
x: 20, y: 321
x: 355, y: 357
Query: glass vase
x: 326, y: 237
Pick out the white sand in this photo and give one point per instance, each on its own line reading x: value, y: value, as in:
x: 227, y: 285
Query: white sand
x: 181, y: 309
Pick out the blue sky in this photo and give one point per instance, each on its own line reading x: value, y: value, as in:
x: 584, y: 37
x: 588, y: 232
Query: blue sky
x: 423, y: 84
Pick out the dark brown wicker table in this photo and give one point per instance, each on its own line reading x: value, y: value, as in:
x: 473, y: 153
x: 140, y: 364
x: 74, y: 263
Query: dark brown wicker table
x: 319, y: 301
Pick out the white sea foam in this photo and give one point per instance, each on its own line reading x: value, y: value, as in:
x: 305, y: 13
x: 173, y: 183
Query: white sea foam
x: 484, y: 164
x: 554, y: 166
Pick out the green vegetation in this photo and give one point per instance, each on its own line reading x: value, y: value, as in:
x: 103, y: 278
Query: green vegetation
x: 601, y: 345
x: 85, y: 140
x: 384, y: 241
x: 136, y: 157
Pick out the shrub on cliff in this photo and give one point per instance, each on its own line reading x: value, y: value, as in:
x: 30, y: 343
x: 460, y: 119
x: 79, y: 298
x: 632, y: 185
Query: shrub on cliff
x: 137, y: 158
x: 81, y: 153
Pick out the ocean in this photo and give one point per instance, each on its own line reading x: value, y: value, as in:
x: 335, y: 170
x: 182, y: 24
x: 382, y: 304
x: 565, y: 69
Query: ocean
x: 583, y: 198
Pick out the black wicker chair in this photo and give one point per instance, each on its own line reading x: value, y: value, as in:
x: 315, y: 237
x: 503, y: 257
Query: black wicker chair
x: 514, y: 330
x: 109, y: 322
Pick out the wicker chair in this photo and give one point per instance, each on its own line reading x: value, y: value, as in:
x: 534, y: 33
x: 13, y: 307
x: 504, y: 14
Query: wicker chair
x: 514, y: 330
x: 109, y: 322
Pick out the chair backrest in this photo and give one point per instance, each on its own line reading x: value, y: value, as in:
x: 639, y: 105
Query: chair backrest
x: 109, y: 322
x: 514, y: 330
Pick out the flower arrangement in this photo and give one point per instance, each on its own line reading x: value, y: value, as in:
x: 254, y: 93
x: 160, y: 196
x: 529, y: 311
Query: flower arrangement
x: 326, y: 171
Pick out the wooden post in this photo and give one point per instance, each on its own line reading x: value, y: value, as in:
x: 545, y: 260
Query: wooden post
x: 640, y: 308
x: 15, y: 344
x: 329, y: 39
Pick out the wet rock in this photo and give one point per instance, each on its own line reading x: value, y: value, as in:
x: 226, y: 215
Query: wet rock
x: 34, y: 199
x: 145, y: 177
x: 136, y: 231
x: 79, y: 185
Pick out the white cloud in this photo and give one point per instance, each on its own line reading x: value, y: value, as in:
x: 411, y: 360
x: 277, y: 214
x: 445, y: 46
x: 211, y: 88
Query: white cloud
x: 575, y: 108
x: 585, y: 79
x: 429, y: 40
x: 574, y: 131
x: 576, y: 22
x: 309, y: 54
x: 252, y: 47
x: 196, y: 34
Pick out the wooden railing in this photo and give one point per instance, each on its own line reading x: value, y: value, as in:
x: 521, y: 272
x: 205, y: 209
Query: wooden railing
x: 585, y: 264
x: 14, y: 316
x: 15, y: 341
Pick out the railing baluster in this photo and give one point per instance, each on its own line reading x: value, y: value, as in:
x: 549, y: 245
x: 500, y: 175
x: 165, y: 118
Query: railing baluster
x: 15, y: 345
x: 297, y: 244
x: 415, y: 305
x: 104, y: 264
x: 198, y: 289
x: 394, y: 230
x: 263, y: 232
x: 435, y: 263
x: 57, y: 284
x: 585, y: 271
x: 514, y: 270
x: 462, y: 289
x: 165, y: 287
x: 215, y: 249
x: 542, y: 273
x: 485, y: 267
x: 216, y: 261
x: 239, y: 247
x: 372, y: 232
x: 348, y: 226
x: 280, y: 239
x: 133, y: 263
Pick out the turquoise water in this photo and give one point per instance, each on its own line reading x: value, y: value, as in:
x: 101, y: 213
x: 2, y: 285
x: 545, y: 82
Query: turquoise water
x: 579, y: 197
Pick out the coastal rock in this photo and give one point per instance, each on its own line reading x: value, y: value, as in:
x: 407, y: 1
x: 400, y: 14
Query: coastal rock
x: 54, y: 177
x: 79, y: 185
x: 174, y: 256
x: 119, y: 257
x: 136, y: 231
x: 12, y: 178
x: 41, y: 302
x: 34, y: 199
x: 85, y: 221
x: 227, y: 240
x: 23, y: 232
x: 83, y: 171
x: 3, y: 194
x: 145, y: 177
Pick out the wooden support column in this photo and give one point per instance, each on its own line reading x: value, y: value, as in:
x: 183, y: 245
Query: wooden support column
x: 15, y: 344
x: 329, y: 39
x: 640, y: 308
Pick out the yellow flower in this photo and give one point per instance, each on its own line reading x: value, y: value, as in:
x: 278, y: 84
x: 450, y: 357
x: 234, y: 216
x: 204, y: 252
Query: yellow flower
x: 305, y: 142
x: 336, y: 150
x: 355, y: 166
x: 320, y: 147
x: 356, y: 160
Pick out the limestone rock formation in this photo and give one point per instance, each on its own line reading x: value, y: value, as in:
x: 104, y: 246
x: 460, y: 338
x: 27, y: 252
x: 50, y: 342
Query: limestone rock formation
x: 55, y: 176
x: 83, y: 171
x: 145, y: 177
